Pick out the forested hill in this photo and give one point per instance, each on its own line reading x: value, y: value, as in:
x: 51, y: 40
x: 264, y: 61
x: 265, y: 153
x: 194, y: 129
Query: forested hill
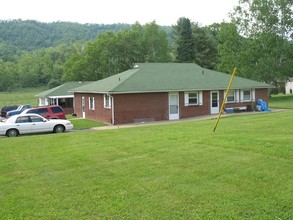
x: 28, y: 35
x: 36, y: 54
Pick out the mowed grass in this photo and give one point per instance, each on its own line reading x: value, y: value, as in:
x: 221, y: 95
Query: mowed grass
x: 171, y: 171
x: 281, y: 101
x: 21, y: 96
x: 82, y: 123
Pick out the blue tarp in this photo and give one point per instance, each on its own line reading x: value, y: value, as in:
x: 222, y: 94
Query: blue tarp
x: 263, y: 105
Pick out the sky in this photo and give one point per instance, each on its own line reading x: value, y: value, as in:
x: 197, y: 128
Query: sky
x: 164, y: 12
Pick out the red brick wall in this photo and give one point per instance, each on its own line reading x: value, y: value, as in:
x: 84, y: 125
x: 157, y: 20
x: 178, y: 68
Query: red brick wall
x: 262, y: 94
x: 77, y: 104
x: 99, y: 114
x: 195, y: 110
x: 259, y: 94
x: 130, y: 107
x: 153, y: 106
x: 68, y: 110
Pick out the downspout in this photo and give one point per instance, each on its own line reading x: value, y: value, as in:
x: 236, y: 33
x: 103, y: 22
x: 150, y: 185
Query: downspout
x: 112, y: 108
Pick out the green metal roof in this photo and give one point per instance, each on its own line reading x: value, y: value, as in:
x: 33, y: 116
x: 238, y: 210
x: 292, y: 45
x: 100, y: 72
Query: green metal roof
x: 167, y: 77
x: 62, y: 90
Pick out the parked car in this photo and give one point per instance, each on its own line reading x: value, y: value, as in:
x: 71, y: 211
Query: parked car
x: 48, y: 112
x: 32, y: 123
x: 19, y: 110
x: 7, y: 108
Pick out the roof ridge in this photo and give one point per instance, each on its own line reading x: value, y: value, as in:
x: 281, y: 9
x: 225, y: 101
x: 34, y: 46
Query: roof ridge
x: 133, y: 70
x: 41, y: 94
x: 154, y: 77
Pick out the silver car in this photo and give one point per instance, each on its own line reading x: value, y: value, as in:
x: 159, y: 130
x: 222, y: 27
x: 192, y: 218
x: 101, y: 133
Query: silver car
x: 32, y: 123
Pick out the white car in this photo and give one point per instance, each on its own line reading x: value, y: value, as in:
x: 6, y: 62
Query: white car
x: 32, y: 123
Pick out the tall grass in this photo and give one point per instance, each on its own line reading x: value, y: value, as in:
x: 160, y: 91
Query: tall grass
x: 171, y: 171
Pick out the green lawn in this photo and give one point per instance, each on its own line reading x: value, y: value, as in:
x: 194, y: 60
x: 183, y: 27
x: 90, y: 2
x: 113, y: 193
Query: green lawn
x: 171, y: 171
x: 21, y: 96
x: 81, y: 123
x: 281, y: 101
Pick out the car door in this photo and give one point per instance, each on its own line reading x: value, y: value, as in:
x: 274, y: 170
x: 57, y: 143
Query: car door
x: 44, y: 112
x: 39, y: 124
x: 23, y: 124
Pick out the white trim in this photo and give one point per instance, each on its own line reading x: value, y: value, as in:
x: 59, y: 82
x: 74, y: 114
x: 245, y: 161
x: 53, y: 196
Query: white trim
x: 186, y: 99
x: 234, y: 96
x: 83, y: 106
x: 199, y: 98
x: 61, y: 96
x: 113, y: 113
x: 173, y: 116
x: 251, y: 95
x: 109, y: 102
x: 237, y: 95
x: 91, y: 103
x: 215, y: 110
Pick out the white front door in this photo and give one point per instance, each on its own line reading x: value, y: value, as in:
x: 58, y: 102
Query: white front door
x: 214, y: 102
x: 83, y: 106
x: 173, y: 106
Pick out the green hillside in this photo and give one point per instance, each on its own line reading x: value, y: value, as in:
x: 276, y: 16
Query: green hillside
x: 29, y: 35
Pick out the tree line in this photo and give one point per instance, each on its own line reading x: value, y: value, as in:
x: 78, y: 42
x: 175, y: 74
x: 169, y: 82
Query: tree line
x: 258, y: 41
x: 28, y: 35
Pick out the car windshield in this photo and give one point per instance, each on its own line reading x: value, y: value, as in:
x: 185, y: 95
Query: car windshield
x: 19, y: 107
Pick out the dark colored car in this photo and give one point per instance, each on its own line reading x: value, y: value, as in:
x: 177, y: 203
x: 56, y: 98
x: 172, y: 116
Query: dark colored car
x: 48, y: 112
x: 6, y: 109
x: 17, y: 111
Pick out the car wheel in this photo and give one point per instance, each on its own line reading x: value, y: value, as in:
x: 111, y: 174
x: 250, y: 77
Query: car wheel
x: 59, y: 129
x: 12, y: 133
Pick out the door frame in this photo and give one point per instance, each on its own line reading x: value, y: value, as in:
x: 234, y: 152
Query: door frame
x: 173, y: 116
x: 215, y: 110
x: 83, y: 106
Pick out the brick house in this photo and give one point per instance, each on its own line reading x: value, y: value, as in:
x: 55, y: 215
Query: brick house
x: 60, y: 95
x: 164, y: 91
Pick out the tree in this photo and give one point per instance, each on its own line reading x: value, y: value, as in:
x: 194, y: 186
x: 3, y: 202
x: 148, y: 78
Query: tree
x: 267, y: 58
x: 230, y: 48
x: 26, y: 69
x: 206, y: 46
x: 112, y: 53
x: 267, y: 26
x: 254, y: 17
x: 8, y: 76
x: 184, y: 41
x: 155, y: 44
x: 75, y: 68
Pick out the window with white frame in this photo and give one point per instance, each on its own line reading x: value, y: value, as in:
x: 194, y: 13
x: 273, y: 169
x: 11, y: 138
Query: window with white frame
x: 231, y: 96
x: 91, y: 103
x: 193, y: 98
x: 247, y: 95
x: 107, y: 101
